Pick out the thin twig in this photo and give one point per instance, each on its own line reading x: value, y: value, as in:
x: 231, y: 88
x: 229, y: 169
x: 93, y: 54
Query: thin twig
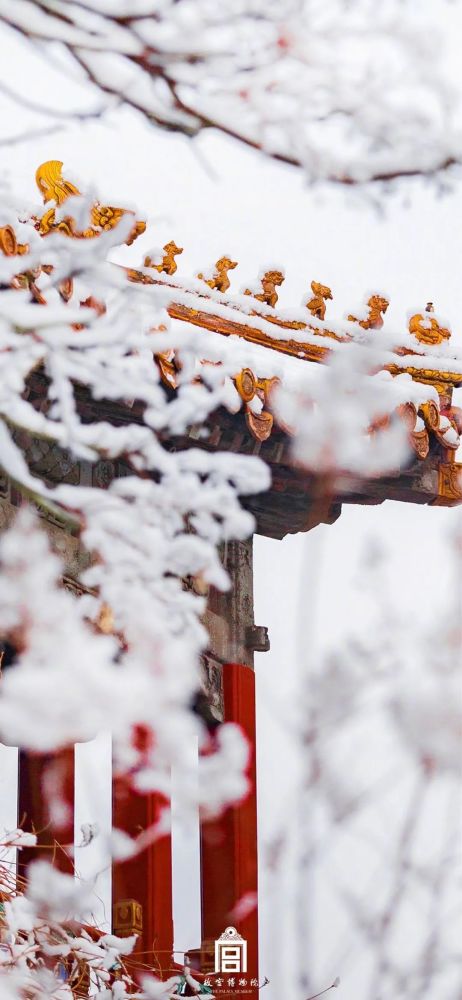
x: 333, y: 986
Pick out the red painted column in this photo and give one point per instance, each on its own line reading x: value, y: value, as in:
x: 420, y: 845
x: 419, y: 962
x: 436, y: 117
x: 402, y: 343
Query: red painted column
x: 142, y: 885
x: 46, y: 807
x: 229, y: 844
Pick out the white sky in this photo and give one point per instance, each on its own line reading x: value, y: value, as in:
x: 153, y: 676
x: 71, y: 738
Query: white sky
x: 215, y: 197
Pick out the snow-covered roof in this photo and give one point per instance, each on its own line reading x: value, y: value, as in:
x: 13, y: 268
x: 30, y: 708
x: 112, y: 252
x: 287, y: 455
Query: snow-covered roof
x: 410, y: 373
x: 417, y: 372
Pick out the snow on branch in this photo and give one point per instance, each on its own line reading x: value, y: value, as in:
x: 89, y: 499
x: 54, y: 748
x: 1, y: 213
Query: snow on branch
x: 80, y: 388
x: 80, y: 383
x: 46, y: 950
x: 351, y: 92
x: 378, y: 716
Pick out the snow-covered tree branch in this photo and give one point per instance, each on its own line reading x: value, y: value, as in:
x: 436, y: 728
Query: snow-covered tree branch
x: 349, y: 91
x: 351, y: 94
x: 126, y: 653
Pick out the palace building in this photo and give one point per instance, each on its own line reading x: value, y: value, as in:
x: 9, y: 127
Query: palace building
x: 416, y: 379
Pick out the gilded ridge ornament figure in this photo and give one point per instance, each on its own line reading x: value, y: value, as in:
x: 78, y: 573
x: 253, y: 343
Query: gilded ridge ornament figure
x: 168, y: 265
x: 269, y: 281
x: 220, y: 280
x: 374, y: 320
x: 51, y: 184
x: 53, y: 187
x: 426, y: 329
x: 317, y: 304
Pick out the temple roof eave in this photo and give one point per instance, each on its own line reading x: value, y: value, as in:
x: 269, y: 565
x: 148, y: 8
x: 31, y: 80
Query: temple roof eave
x: 418, y: 367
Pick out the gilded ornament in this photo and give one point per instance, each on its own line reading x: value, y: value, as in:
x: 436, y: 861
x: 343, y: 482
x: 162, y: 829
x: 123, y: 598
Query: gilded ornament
x: 430, y: 414
x: 426, y: 329
x: 420, y: 442
x: 249, y: 387
x: 269, y: 281
x: 51, y: 184
x: 259, y: 424
x: 246, y: 384
x: 9, y: 244
x: 317, y: 304
x: 220, y: 280
x: 374, y: 320
x: 168, y: 264
x: 266, y: 387
x: 103, y: 217
x: 442, y: 381
x: 449, y: 483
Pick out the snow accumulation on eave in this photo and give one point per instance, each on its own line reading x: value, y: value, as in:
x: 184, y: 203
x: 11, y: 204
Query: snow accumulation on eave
x: 241, y: 310
x: 268, y: 363
x: 381, y: 394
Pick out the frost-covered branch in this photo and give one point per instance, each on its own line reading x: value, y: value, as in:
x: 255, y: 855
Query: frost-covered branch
x: 376, y: 721
x: 46, y: 950
x: 61, y: 367
x: 350, y: 92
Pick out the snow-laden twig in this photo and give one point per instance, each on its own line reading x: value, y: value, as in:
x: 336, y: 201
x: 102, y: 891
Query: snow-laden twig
x: 350, y: 92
